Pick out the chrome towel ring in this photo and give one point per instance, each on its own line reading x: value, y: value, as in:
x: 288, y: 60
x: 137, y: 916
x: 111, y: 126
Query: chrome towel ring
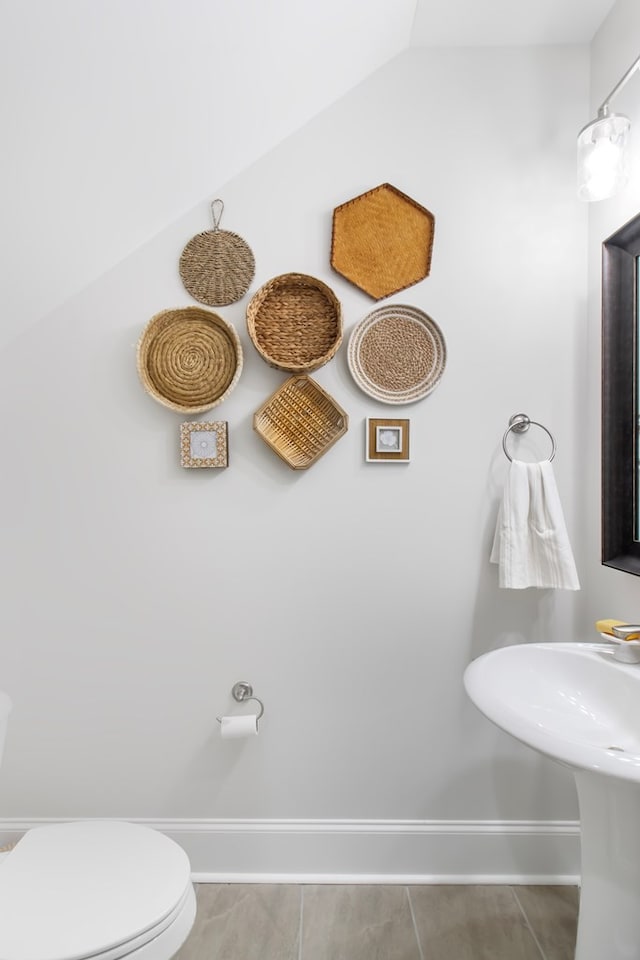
x: 520, y: 423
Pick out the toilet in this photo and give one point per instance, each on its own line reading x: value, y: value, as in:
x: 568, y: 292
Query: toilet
x: 93, y: 890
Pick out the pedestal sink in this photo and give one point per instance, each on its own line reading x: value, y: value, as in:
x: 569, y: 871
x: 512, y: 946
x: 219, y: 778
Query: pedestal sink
x: 575, y: 703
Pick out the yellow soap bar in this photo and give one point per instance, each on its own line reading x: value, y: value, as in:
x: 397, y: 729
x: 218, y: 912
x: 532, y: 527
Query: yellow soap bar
x: 606, y: 626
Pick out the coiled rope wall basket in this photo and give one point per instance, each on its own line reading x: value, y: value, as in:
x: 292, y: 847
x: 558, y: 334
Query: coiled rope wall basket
x: 189, y: 359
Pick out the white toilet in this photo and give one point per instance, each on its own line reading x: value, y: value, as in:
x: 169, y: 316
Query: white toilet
x: 93, y: 890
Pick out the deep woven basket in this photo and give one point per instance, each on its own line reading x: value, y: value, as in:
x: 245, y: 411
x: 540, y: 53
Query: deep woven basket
x: 300, y: 422
x: 295, y: 322
x: 189, y: 359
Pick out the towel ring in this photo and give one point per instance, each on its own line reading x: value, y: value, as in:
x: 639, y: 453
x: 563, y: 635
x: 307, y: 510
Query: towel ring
x: 520, y: 423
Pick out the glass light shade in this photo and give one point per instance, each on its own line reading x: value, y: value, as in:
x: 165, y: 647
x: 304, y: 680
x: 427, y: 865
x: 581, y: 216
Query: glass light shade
x: 602, y: 157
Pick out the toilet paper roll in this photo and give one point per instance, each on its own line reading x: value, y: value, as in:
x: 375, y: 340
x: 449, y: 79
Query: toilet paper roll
x: 232, y: 728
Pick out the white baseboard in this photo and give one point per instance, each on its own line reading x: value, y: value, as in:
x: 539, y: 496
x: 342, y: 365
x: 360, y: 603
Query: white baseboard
x: 367, y: 851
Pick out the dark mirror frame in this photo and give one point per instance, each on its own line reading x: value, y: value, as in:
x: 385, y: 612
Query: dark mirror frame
x: 620, y: 548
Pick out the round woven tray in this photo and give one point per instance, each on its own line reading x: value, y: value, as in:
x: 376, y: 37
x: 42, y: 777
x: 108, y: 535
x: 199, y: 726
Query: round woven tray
x: 397, y: 354
x: 189, y: 359
x: 295, y: 322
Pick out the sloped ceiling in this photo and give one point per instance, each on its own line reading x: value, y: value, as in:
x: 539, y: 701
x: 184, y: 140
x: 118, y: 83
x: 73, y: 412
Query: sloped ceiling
x: 120, y: 115
x: 123, y: 114
x: 450, y: 23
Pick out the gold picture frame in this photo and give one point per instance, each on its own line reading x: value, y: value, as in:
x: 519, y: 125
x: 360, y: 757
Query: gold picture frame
x: 204, y: 444
x: 387, y: 440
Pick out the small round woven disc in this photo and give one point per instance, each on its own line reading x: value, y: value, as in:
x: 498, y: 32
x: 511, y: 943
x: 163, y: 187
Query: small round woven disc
x: 189, y: 359
x: 217, y: 267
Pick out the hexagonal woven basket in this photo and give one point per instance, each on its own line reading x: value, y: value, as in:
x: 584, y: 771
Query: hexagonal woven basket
x: 382, y: 241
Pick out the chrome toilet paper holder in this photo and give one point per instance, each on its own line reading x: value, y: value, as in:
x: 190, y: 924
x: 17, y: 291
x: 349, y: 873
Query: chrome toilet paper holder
x: 242, y: 691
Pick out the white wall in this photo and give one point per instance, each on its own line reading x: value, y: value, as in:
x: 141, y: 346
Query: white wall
x: 611, y: 593
x: 117, y: 116
x: 352, y: 596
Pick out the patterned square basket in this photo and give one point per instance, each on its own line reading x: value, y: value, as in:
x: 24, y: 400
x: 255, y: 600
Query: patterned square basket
x: 300, y: 422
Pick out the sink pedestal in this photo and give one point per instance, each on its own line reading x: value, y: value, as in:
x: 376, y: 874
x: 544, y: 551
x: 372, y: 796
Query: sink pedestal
x: 578, y: 704
x: 609, y: 919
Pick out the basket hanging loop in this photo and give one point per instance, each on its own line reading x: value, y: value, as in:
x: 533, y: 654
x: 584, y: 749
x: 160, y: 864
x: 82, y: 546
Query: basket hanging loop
x: 217, y: 208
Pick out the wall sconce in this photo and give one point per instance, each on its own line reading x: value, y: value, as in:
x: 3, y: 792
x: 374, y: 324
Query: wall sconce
x: 602, y: 159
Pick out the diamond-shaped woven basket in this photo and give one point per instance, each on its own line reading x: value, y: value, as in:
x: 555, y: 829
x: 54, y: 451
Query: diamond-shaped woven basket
x: 300, y: 422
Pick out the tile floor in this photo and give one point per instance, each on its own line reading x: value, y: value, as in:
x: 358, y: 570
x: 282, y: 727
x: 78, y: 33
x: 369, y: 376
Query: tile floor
x: 289, y: 922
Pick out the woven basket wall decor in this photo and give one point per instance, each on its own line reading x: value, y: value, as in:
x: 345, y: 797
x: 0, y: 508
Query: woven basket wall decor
x: 217, y: 266
x: 189, y: 359
x: 382, y: 241
x: 397, y: 354
x: 295, y: 322
x: 300, y: 422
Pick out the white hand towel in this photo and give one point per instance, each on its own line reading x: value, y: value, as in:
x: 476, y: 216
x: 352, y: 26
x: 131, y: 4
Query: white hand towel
x: 531, y: 545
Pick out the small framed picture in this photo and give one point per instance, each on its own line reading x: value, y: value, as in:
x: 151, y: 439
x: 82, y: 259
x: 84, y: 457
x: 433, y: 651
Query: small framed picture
x: 387, y: 441
x: 204, y: 444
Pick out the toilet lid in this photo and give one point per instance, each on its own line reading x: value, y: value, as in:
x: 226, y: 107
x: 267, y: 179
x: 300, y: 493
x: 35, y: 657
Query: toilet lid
x: 74, y: 890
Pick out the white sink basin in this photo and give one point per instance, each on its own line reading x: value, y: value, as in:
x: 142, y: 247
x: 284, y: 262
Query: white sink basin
x: 570, y: 701
x: 575, y: 703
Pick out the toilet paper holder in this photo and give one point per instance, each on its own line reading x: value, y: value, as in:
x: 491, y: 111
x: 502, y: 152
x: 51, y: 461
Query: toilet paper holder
x: 242, y: 691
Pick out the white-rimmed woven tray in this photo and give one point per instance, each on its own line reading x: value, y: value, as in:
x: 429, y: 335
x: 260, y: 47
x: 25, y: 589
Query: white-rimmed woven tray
x: 397, y: 354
